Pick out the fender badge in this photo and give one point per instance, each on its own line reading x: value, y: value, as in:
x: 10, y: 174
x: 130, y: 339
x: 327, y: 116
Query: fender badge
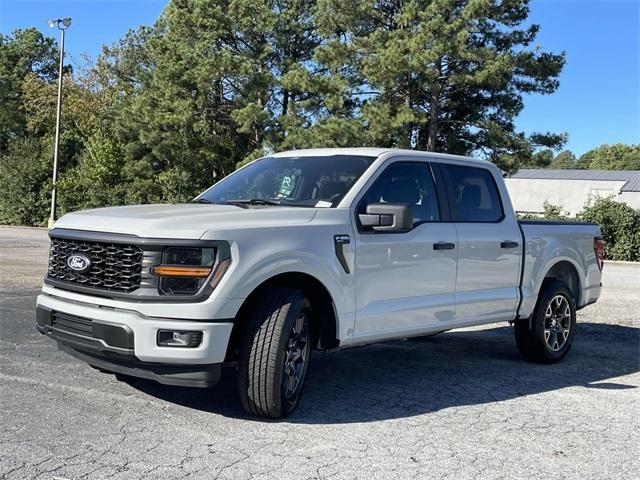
x: 341, y: 239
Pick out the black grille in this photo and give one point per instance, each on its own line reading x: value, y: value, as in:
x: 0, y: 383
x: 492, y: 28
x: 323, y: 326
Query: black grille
x: 114, y: 266
x: 72, y: 324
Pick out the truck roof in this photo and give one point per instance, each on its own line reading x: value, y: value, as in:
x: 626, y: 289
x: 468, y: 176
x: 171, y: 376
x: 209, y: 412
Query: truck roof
x: 367, y: 152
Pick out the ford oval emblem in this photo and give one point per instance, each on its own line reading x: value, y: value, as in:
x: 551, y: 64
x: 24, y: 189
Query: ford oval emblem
x: 79, y: 263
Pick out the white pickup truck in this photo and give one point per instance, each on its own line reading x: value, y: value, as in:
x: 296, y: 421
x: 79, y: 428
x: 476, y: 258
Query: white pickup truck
x: 311, y: 249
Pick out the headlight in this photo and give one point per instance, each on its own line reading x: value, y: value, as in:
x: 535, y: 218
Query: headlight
x: 185, y: 270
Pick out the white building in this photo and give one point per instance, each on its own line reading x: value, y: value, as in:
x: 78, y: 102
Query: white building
x: 571, y: 189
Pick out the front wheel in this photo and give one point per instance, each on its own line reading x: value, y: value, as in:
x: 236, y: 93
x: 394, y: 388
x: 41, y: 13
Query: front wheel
x: 547, y: 336
x: 275, y: 353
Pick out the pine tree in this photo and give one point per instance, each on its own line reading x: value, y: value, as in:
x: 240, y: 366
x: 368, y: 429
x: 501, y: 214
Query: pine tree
x: 445, y: 75
x: 23, y: 53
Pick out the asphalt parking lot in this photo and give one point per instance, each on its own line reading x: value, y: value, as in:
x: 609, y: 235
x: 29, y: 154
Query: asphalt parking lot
x: 459, y: 405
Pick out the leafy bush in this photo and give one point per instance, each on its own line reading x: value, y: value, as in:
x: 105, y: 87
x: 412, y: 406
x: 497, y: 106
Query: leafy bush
x: 553, y: 212
x: 620, y: 226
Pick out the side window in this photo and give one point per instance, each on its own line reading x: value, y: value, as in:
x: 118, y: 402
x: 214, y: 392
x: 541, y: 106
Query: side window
x: 475, y: 195
x: 406, y: 182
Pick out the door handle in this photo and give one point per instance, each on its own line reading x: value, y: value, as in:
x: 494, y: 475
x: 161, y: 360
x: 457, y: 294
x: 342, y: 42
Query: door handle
x: 444, y: 246
x: 509, y: 244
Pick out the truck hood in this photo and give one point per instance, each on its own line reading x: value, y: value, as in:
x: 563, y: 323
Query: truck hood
x: 188, y: 221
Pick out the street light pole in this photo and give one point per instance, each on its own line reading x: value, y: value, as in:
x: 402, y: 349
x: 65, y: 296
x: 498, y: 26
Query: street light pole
x: 62, y: 25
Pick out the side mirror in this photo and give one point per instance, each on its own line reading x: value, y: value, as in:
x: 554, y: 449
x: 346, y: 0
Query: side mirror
x: 387, y: 217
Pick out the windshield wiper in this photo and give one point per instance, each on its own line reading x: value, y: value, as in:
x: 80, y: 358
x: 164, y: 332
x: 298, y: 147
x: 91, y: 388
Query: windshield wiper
x: 253, y: 201
x: 200, y: 200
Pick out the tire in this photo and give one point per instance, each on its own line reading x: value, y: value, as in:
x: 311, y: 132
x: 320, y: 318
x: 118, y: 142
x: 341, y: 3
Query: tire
x: 275, y: 353
x: 547, y: 336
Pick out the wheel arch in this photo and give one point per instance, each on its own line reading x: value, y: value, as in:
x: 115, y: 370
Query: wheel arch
x: 325, y: 325
x: 564, y: 271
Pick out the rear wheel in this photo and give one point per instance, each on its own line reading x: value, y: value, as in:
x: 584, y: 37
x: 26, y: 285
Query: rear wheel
x: 547, y: 336
x: 275, y: 353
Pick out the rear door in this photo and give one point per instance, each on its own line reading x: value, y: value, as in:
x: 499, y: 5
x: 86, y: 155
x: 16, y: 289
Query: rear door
x: 489, y: 245
x: 405, y: 281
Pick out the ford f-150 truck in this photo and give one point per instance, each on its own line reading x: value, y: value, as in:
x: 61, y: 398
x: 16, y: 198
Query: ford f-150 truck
x: 311, y: 249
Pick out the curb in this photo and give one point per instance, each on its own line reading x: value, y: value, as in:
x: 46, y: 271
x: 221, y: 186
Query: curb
x: 21, y: 226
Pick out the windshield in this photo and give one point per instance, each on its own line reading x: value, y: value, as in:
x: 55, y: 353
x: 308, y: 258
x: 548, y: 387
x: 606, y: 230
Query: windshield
x: 291, y: 181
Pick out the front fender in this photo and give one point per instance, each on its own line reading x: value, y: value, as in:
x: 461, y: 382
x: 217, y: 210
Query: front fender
x: 338, y: 285
x: 259, y: 254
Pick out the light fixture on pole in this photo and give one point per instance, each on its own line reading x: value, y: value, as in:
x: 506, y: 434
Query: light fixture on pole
x: 62, y: 24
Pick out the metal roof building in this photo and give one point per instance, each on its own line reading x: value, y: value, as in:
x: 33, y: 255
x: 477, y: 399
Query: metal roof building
x: 631, y: 177
x: 571, y: 189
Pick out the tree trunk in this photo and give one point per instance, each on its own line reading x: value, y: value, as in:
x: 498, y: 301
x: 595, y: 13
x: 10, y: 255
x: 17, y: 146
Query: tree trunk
x: 434, y: 103
x: 285, y: 102
x: 408, y: 126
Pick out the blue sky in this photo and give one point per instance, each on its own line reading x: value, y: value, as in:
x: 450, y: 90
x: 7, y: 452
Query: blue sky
x: 598, y: 100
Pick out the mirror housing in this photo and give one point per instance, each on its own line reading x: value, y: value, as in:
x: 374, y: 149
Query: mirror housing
x: 387, y: 217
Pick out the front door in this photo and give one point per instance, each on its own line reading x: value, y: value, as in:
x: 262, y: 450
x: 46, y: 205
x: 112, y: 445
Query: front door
x: 405, y: 282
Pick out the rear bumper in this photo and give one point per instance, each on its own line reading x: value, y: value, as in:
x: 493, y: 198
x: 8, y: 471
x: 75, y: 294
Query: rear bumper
x: 590, y: 295
x: 123, y: 341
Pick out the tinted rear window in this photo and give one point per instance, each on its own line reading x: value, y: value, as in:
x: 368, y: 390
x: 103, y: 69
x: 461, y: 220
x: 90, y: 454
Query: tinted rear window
x: 475, y: 195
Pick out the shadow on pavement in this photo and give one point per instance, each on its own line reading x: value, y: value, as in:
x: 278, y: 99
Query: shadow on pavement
x: 413, y: 377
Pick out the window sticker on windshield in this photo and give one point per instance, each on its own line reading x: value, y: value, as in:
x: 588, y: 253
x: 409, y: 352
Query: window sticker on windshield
x: 287, y: 185
x: 323, y: 204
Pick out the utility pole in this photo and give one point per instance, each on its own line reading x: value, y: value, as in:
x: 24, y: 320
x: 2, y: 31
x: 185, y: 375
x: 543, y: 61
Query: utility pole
x: 62, y: 24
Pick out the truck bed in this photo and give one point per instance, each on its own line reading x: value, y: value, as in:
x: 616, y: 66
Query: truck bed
x: 559, y: 244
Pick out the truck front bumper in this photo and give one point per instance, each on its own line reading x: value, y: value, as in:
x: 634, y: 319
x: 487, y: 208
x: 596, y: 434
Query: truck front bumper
x: 124, y: 341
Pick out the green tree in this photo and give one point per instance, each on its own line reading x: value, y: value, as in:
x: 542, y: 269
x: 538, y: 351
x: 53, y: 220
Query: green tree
x: 173, y: 107
x: 446, y: 75
x: 23, y: 53
x: 212, y: 84
x: 25, y: 183
x: 541, y: 159
x: 618, y: 156
x: 28, y: 71
x: 565, y: 159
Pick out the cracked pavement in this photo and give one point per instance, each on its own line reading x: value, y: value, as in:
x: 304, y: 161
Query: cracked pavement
x: 459, y: 405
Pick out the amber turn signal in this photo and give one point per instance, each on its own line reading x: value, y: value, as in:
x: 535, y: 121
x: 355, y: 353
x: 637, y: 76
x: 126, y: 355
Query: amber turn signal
x: 181, y: 271
x: 221, y: 269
